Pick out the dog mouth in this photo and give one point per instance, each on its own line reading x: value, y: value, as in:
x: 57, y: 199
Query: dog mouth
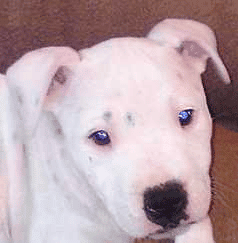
x: 170, y: 231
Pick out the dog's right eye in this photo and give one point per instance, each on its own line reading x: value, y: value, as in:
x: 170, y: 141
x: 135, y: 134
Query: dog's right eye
x: 100, y: 137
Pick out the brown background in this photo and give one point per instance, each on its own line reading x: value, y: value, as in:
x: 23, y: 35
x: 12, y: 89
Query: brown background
x: 27, y: 25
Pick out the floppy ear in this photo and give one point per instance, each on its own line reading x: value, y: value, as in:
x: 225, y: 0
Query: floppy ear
x: 5, y: 148
x: 196, y: 41
x: 13, y: 207
x: 40, y: 78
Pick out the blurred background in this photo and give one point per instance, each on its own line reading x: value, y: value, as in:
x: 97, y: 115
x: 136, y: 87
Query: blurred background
x: 26, y: 25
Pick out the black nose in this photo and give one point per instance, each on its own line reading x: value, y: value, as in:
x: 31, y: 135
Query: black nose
x: 165, y: 204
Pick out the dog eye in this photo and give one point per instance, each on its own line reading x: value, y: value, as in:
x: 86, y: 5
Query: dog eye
x: 185, y: 117
x: 100, y: 137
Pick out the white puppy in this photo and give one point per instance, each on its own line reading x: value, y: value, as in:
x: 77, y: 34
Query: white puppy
x: 111, y: 143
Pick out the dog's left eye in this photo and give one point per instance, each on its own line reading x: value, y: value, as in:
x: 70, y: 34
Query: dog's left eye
x: 185, y: 117
x: 100, y: 137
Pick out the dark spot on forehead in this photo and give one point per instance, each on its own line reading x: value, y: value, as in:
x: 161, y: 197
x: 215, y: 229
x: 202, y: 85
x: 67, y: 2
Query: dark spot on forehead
x: 129, y: 116
x: 107, y: 115
x: 130, y: 119
x: 118, y: 94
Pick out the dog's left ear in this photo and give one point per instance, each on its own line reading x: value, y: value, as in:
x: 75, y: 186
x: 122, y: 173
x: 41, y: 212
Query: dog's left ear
x: 39, y: 79
x: 194, y: 40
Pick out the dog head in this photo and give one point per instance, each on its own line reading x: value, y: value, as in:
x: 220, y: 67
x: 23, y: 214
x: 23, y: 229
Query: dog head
x: 124, y: 123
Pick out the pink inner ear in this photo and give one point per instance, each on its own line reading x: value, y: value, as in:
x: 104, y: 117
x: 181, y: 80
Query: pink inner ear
x: 61, y: 75
x: 58, y: 86
x: 192, y: 49
x: 59, y: 79
x: 199, y: 54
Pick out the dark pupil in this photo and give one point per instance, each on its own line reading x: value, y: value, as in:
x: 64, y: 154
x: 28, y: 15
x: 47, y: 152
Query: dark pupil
x: 100, y: 137
x: 185, y: 117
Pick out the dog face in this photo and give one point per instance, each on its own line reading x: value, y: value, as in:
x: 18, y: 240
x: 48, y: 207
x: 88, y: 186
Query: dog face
x: 123, y: 125
x: 135, y: 104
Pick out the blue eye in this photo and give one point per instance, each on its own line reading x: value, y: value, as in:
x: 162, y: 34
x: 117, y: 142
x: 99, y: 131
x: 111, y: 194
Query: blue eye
x: 100, y: 137
x: 185, y: 117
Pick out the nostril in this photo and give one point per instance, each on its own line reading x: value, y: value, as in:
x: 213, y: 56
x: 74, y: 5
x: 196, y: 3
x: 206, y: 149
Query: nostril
x: 165, y: 204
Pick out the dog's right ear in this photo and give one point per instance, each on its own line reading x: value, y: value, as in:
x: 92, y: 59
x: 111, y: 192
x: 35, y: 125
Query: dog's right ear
x: 40, y: 78
x: 192, y: 39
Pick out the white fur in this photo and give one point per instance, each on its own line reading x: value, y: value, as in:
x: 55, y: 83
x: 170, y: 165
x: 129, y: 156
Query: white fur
x: 73, y: 190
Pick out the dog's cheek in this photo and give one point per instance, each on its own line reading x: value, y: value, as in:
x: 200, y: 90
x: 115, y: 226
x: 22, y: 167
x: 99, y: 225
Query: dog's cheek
x: 110, y: 177
x: 199, y: 198
x: 198, y: 181
x: 113, y: 179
